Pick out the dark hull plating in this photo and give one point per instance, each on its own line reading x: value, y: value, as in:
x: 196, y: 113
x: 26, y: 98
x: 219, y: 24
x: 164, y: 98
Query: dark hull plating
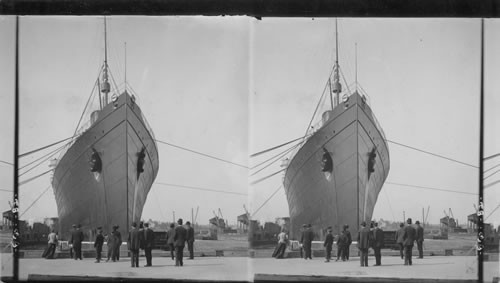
x: 347, y: 195
x: 115, y: 196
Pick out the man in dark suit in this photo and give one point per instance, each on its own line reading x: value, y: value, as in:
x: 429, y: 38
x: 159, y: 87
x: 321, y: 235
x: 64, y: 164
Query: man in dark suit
x: 378, y: 243
x: 99, y: 241
x: 306, y: 240
x: 399, y: 239
x: 149, y: 237
x: 180, y: 237
x: 134, y: 244
x: 117, y: 243
x: 409, y: 235
x: 328, y: 244
x: 76, y: 240
x: 190, y: 239
x: 364, y: 243
x: 420, y: 239
x: 349, y: 241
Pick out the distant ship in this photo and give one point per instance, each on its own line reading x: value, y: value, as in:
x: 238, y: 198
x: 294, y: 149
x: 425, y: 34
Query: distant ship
x: 104, y: 177
x: 336, y: 175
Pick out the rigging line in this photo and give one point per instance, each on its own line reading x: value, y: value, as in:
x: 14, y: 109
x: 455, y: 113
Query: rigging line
x: 492, y: 212
x: 491, y: 156
x: 277, y: 158
x: 491, y: 184
x: 200, y: 189
x: 317, y: 107
x: 491, y: 168
x: 389, y: 202
x: 158, y: 204
x: 278, y: 146
x: 46, y: 156
x: 491, y: 175
x: 88, y: 101
x: 268, y: 176
x: 33, y: 178
x: 8, y: 163
x: 41, y: 148
x: 268, y: 199
x: 429, y: 188
x: 35, y: 201
x: 286, y: 150
x: 206, y: 155
x: 434, y: 154
x: 3, y: 190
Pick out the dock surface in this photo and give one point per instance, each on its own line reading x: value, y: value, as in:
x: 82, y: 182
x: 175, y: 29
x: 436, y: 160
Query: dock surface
x: 243, y: 269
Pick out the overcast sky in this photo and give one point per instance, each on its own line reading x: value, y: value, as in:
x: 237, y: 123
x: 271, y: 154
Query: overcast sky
x: 232, y: 86
x: 422, y: 77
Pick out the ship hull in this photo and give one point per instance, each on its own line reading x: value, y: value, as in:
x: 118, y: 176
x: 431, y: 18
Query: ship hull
x: 116, y: 195
x: 347, y: 194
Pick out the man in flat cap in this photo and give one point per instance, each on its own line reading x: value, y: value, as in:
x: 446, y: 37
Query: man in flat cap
x: 76, y: 240
x: 378, y: 242
x: 420, y: 239
x: 328, y: 244
x: 364, y: 236
x: 409, y: 235
x: 347, y: 246
x: 306, y: 240
x: 99, y: 241
x: 134, y: 244
x: 149, y: 238
x: 117, y: 243
x: 180, y: 237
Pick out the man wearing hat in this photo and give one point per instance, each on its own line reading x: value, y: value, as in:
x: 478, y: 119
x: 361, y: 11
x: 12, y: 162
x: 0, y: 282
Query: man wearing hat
x: 149, y: 238
x: 134, y: 244
x: 76, y: 241
x: 306, y: 240
x: 364, y: 243
x: 399, y: 239
x: 328, y: 244
x: 190, y: 239
x: 99, y: 241
x: 348, y: 243
x: 409, y: 235
x: 378, y: 242
x: 117, y: 243
x: 180, y: 237
x: 420, y: 239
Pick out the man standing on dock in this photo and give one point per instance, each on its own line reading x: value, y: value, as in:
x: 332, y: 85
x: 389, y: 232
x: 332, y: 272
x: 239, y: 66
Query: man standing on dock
x: 149, y: 237
x: 408, y: 238
x: 134, y: 244
x: 190, y: 239
x: 306, y: 240
x: 364, y: 243
x: 170, y: 240
x: 328, y: 244
x: 349, y: 241
x: 76, y: 240
x: 378, y: 243
x: 117, y: 243
x: 99, y: 241
x: 420, y: 239
x: 180, y: 236
x: 399, y: 239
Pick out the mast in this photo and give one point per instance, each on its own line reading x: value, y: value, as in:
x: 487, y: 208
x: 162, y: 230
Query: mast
x: 337, y: 87
x: 356, y: 64
x: 125, y: 66
x: 105, y: 86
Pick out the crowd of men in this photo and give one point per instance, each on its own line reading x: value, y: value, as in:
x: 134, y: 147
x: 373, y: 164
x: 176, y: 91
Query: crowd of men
x: 140, y: 237
x: 368, y: 237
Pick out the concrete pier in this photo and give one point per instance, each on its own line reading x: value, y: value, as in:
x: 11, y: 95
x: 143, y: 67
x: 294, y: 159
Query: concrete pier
x: 244, y: 269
